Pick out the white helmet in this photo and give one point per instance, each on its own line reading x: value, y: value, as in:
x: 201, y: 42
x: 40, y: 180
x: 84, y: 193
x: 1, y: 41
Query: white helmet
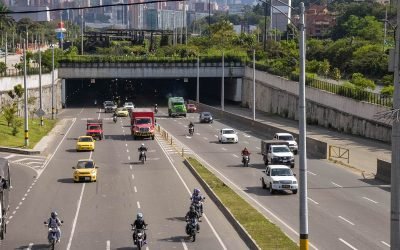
x: 142, y: 144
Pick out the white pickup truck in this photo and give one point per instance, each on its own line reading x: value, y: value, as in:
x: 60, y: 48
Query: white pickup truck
x: 279, y: 177
x: 290, y: 139
x: 277, y: 152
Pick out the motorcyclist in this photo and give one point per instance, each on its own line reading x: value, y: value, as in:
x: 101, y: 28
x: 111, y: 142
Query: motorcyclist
x: 197, y: 199
x: 155, y: 108
x: 55, y: 222
x: 245, y: 152
x: 190, y: 215
x: 191, y: 126
x: 139, y: 223
x: 140, y: 149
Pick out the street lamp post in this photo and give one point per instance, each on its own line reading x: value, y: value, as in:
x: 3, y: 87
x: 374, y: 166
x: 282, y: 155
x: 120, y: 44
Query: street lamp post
x: 25, y: 101
x: 254, y: 85
x: 223, y: 83
x: 52, y: 81
x: 198, y: 81
x: 40, y: 84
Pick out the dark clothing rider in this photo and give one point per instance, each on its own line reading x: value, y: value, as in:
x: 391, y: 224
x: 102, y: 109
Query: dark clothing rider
x: 139, y: 223
x: 142, y: 148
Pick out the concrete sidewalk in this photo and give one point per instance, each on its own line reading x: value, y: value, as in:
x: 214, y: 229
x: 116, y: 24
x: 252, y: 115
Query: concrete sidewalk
x: 363, y: 152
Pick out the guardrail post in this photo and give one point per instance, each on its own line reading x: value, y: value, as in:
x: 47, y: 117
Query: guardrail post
x: 171, y: 140
x: 329, y: 151
x: 183, y: 152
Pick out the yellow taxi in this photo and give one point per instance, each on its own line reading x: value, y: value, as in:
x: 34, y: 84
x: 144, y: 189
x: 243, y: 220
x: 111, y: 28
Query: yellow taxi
x: 122, y: 112
x: 85, y: 170
x: 85, y: 143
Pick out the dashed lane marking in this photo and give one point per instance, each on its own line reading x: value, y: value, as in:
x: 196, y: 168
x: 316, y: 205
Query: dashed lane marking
x: 108, y: 245
x: 184, y: 245
x: 337, y: 185
x: 197, y: 133
x: 224, y: 149
x: 316, y: 203
x: 311, y: 173
x: 235, y: 156
x: 134, y: 188
x: 370, y: 200
x: 384, y: 243
x: 138, y: 204
x: 347, y: 244
x: 205, y: 138
x: 346, y: 220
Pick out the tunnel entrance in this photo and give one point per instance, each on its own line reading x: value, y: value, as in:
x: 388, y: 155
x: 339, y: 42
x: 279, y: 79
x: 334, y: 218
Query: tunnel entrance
x: 142, y: 92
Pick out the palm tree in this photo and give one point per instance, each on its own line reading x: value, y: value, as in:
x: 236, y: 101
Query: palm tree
x: 6, y: 21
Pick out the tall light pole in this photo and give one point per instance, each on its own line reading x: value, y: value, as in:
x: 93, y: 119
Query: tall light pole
x: 254, y: 84
x: 82, y: 19
x: 198, y: 81
x: 26, y: 130
x: 395, y: 169
x: 52, y: 81
x: 223, y: 83
x: 5, y: 56
x: 40, y: 83
x: 303, y: 137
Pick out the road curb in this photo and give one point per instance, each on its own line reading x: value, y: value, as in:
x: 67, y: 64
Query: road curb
x: 19, y: 151
x: 244, y: 235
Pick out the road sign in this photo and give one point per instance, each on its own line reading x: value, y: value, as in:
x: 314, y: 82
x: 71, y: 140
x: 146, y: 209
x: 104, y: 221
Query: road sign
x: 60, y: 35
x: 60, y: 30
x: 40, y: 112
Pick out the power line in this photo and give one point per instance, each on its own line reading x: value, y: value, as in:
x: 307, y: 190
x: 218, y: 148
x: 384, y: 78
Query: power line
x: 85, y: 7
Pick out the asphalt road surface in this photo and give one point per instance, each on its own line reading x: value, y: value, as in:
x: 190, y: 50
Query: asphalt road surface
x: 98, y: 215
x: 345, y: 212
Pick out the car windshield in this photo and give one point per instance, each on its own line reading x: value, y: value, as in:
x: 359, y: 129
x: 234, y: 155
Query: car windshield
x: 108, y: 102
x: 85, y: 164
x: 128, y: 104
x: 280, y: 149
x: 94, y: 127
x: 281, y: 172
x: 85, y: 139
x: 206, y: 114
x: 109, y: 105
x: 286, y: 138
x: 140, y: 121
x: 228, y: 132
x: 177, y: 103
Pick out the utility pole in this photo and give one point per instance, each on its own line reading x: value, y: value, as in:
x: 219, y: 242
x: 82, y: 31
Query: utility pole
x: 198, y: 81
x: 82, y: 19
x: 52, y: 82
x: 395, y: 169
x: 25, y: 103
x: 185, y: 22
x: 385, y: 29
x: 209, y: 18
x: 223, y: 83
x: 62, y: 34
x: 265, y: 28
x: 303, y: 137
x: 5, y: 55
x: 254, y: 84
x: 40, y: 83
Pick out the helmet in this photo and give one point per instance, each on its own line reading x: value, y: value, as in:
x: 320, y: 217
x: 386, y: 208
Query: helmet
x: 139, y: 216
x: 192, y: 209
x: 245, y: 148
x: 54, y: 214
x: 196, y: 191
x: 142, y: 144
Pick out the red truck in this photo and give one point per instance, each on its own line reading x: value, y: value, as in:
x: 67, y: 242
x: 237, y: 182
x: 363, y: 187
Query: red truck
x: 142, y: 122
x: 94, y: 128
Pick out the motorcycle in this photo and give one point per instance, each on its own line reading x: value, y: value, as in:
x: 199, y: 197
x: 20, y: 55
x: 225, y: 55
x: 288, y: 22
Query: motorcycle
x: 197, y: 205
x: 191, y: 131
x: 52, y: 235
x: 114, y: 119
x: 191, y: 228
x: 155, y: 110
x: 245, y: 160
x: 142, y: 156
x: 138, y: 237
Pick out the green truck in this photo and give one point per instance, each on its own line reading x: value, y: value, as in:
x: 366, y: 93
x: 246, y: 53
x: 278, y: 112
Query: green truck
x: 176, y: 106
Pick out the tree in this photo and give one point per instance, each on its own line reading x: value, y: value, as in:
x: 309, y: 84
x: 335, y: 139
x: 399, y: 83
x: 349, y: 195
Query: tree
x: 9, y: 112
x: 324, y: 68
x: 369, y: 60
x: 387, y: 90
x: 6, y: 21
x: 362, y: 83
x: 3, y: 67
x: 335, y: 74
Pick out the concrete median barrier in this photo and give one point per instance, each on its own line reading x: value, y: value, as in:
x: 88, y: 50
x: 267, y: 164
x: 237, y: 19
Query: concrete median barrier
x: 383, y: 170
x: 19, y: 151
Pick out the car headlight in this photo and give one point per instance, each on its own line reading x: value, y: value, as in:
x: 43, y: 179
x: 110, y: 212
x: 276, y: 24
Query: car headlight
x: 294, y: 182
x: 93, y: 172
x: 76, y: 172
x: 275, y: 182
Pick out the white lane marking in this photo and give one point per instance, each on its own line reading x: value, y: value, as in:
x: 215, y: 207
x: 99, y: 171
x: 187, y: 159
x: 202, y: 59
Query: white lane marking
x: 138, y: 204
x: 17, y: 208
x: 14, y: 212
x: 346, y: 220
x: 347, y: 244
x: 370, y: 200
x: 126, y: 144
x: 133, y: 177
x: 258, y: 148
x: 10, y: 217
x: 224, y: 149
x: 130, y: 166
x: 246, y: 135
x: 184, y: 245
x: 9, y: 156
x: 247, y: 195
x: 216, y: 136
x: 80, y: 111
x: 197, y: 133
x: 189, y: 191
x: 135, y: 189
x: 127, y: 150
x: 30, y: 246
x: 59, y: 144
x: 108, y: 247
x: 76, y: 218
x: 384, y: 243
x: 205, y: 138
x: 311, y: 173
x: 337, y: 185
x: 26, y: 159
x: 210, y: 125
x: 313, y: 201
x: 235, y: 156
x: 129, y: 158
x: 28, y: 190
x: 23, y: 198
x: 20, y: 203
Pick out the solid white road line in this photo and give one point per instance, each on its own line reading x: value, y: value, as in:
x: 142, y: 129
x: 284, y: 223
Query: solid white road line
x: 184, y: 245
x: 9, y: 156
x: 313, y: 200
x: 30, y: 246
x: 138, y: 204
x: 337, y: 185
x: 311, y: 173
x: 347, y: 244
x: 370, y: 200
x: 108, y: 247
x: 189, y: 191
x: 133, y: 177
x: 129, y: 158
x: 130, y: 166
x: 76, y: 218
x: 346, y: 220
x: 384, y: 243
x: 235, y: 156
x: 135, y: 189
x: 224, y: 149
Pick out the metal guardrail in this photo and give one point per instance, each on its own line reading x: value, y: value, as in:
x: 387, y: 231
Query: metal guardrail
x: 20, y: 72
x: 339, y: 153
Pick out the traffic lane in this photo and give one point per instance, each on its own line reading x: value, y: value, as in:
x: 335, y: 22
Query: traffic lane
x: 47, y: 195
x: 241, y: 181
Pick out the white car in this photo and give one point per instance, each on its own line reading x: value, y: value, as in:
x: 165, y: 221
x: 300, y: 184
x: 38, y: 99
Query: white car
x: 279, y: 177
x: 290, y: 139
x: 129, y: 105
x: 227, y: 135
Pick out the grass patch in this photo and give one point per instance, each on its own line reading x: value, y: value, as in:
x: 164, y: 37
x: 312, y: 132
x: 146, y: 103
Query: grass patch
x: 36, y: 132
x: 266, y: 234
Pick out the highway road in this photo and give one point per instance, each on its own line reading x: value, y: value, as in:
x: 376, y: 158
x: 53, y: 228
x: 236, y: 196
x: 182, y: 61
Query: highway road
x: 98, y: 215
x: 345, y: 212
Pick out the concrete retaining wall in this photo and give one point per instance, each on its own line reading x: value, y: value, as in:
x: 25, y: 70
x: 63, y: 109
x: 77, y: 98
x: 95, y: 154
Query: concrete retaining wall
x: 383, y: 171
x: 244, y: 235
x: 315, y: 149
x: 280, y: 96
